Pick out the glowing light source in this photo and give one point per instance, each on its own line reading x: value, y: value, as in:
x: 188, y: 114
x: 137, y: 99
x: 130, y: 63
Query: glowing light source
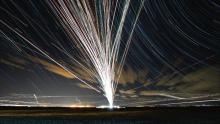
x: 104, y: 106
x: 80, y: 106
x: 94, y: 35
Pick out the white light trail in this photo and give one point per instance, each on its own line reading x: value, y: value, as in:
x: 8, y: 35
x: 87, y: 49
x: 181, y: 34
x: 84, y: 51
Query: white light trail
x: 92, y: 31
x: 96, y: 32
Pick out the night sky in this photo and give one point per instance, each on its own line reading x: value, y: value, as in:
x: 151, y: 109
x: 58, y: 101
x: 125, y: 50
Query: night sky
x: 173, y: 58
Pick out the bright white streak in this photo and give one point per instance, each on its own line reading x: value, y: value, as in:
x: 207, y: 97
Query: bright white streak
x: 93, y: 33
x: 95, y: 38
x: 95, y: 41
x: 45, y: 54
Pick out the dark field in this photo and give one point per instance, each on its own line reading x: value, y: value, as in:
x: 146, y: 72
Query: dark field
x: 147, y: 115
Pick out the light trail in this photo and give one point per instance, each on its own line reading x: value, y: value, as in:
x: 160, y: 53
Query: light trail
x: 93, y: 33
x: 173, y: 51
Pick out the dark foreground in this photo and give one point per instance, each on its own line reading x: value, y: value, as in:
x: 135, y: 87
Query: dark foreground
x: 147, y: 115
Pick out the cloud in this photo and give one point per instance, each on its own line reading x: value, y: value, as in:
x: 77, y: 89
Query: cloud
x: 127, y: 92
x: 129, y: 75
x: 201, y: 81
x: 52, y: 67
x: 159, y: 93
x: 14, y: 62
x: 81, y: 85
x: 204, y: 80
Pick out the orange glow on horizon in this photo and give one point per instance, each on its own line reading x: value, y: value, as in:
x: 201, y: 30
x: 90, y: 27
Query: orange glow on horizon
x: 80, y: 106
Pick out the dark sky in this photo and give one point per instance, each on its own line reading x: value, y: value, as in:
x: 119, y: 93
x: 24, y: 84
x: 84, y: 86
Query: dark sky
x: 174, y: 55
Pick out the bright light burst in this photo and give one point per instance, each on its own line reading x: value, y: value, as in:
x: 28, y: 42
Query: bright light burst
x: 88, y: 41
x: 95, y: 28
x: 92, y: 31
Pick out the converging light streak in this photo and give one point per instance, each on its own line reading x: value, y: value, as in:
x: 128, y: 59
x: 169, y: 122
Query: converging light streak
x: 96, y: 32
x: 93, y: 33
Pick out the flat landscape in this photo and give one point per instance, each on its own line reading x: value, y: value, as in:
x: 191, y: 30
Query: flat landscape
x: 123, y: 115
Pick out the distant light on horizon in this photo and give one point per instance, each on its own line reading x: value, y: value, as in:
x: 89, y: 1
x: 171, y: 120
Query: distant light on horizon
x: 80, y: 106
x: 110, y: 107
